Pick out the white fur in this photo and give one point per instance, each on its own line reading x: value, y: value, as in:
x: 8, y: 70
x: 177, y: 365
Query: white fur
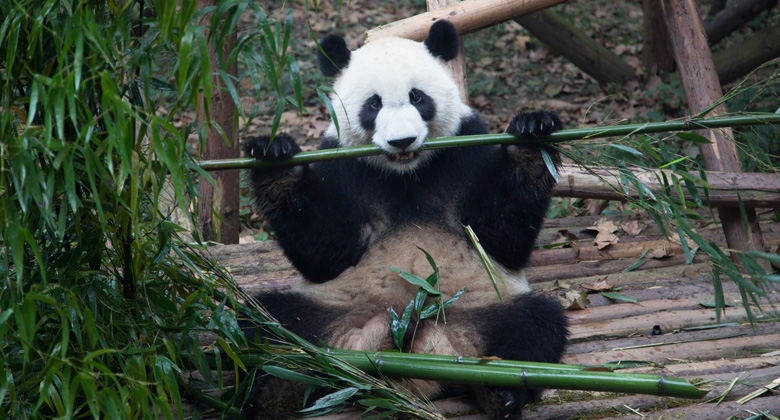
x: 391, y: 67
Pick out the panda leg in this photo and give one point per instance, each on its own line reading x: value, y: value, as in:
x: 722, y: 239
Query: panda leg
x: 271, y: 397
x: 529, y: 328
x: 298, y: 313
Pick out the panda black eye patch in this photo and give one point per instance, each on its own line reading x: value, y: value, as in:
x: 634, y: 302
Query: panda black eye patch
x: 369, y: 111
x: 424, y: 104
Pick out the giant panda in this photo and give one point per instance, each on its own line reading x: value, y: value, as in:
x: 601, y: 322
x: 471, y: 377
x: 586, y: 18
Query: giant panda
x: 343, y: 223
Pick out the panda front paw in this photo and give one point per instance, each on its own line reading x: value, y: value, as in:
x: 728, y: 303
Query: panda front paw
x: 504, y: 403
x: 535, y: 124
x: 282, y: 147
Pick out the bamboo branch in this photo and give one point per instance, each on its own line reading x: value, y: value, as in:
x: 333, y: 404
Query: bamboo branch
x: 486, y: 139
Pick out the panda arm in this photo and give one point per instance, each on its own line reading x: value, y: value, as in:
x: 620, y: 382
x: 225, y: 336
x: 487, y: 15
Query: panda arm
x: 510, y: 192
x: 318, y: 226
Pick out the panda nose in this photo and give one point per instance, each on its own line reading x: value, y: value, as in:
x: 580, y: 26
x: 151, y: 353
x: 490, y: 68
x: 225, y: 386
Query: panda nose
x: 402, y: 143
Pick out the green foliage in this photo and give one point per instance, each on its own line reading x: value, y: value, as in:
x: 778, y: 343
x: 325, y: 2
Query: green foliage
x: 102, y: 299
x: 105, y: 305
x: 427, y: 288
x: 680, y: 206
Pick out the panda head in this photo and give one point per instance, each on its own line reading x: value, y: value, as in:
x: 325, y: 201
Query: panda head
x: 394, y: 93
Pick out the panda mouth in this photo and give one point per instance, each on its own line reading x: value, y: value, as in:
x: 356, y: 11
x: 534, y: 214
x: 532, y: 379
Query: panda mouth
x: 403, y: 156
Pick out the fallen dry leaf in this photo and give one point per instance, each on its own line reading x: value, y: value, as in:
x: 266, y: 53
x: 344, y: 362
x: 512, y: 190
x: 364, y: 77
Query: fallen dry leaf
x: 574, y: 299
x: 658, y: 253
x: 605, y: 236
x: 565, y: 238
x: 633, y: 227
x: 599, y: 285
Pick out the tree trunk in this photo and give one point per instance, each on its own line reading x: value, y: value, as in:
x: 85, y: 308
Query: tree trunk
x: 468, y: 16
x: 221, y: 224
x: 702, y: 88
x: 734, y: 16
x: 587, y: 54
x: 458, y: 64
x: 657, y: 51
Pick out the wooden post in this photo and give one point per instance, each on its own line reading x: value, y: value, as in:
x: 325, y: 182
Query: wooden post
x: 702, y: 89
x: 458, y: 64
x: 221, y: 225
x: 656, y: 51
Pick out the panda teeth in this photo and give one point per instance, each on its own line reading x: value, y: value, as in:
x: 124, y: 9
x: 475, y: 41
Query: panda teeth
x: 405, y: 156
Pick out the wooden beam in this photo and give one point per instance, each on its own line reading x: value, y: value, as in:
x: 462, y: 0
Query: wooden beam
x: 737, y: 14
x: 467, y: 16
x: 587, y: 54
x: 755, y: 49
x: 702, y: 88
x: 728, y: 188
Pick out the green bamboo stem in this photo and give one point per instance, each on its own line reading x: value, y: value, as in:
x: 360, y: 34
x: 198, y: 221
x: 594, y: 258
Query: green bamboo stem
x: 521, y: 374
x: 499, y: 373
x: 487, y: 139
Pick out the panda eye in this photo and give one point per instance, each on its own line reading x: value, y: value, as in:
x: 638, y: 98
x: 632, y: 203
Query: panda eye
x: 415, y: 97
x: 375, y: 104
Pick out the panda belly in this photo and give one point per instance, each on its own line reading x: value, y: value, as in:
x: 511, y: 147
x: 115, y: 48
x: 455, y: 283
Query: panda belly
x: 364, y: 294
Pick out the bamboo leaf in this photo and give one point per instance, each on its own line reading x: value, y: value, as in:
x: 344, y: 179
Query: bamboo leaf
x: 618, y: 296
x: 297, y: 84
x: 331, y: 401
x: 415, y: 280
x: 550, y: 164
x: 693, y: 137
x: 626, y: 149
x: 290, y: 375
x: 326, y: 101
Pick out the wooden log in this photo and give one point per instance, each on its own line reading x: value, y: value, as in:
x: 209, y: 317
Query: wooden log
x: 587, y: 54
x: 702, y: 88
x: 218, y: 203
x: 728, y: 188
x: 740, y: 59
x: 737, y: 14
x: 467, y: 16
x: 458, y: 64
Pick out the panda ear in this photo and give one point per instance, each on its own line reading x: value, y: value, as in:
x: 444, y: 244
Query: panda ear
x: 333, y: 55
x: 443, y: 40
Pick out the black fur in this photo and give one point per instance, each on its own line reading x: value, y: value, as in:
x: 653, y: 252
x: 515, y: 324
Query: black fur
x: 369, y: 112
x: 507, y: 328
x: 501, y: 192
x: 443, y: 41
x: 329, y: 214
x: 334, y: 55
x: 425, y: 105
x: 297, y: 313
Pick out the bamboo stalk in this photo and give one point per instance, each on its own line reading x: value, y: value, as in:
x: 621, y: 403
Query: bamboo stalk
x: 487, y: 139
x: 501, y: 373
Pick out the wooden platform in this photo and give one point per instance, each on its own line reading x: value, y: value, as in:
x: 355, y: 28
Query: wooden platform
x: 671, y: 297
